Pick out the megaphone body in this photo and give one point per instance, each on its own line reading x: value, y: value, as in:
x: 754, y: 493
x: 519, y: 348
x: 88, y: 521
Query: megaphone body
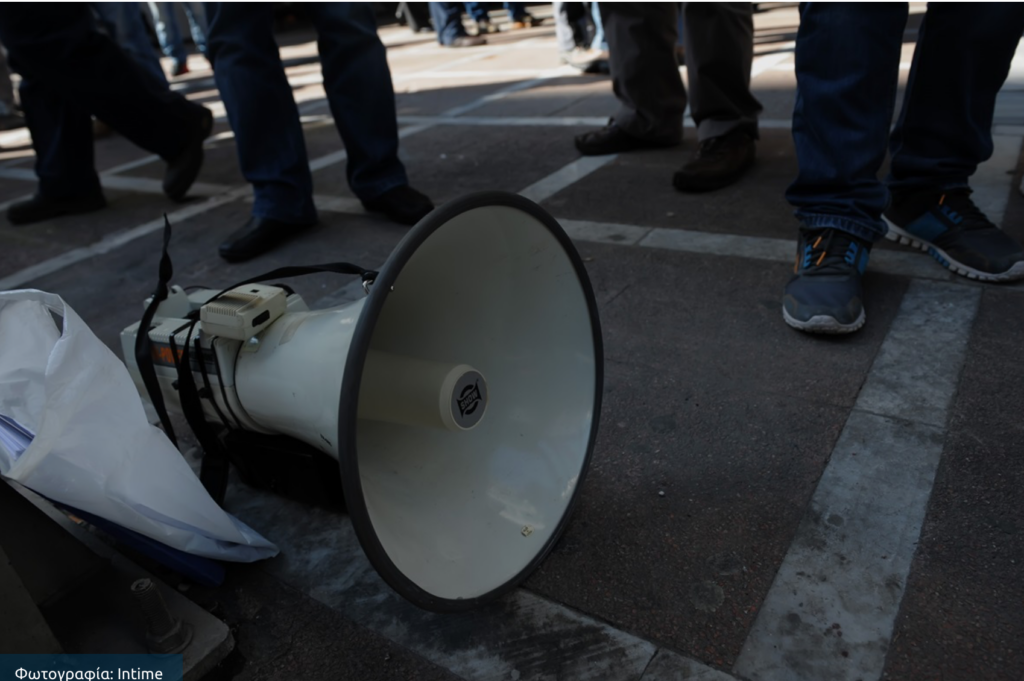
x: 460, y: 397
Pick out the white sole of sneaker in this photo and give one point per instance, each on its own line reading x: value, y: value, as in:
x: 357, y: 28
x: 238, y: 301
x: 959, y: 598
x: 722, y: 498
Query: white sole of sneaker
x: 901, y: 236
x: 824, y: 324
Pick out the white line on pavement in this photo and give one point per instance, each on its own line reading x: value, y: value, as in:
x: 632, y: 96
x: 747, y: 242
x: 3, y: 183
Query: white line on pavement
x: 113, y: 241
x: 830, y: 611
x: 565, y: 176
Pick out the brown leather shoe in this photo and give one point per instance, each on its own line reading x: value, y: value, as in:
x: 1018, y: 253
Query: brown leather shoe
x: 719, y: 162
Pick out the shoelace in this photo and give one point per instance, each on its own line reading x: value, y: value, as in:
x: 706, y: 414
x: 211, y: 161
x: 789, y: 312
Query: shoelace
x: 959, y: 202
x: 829, y: 252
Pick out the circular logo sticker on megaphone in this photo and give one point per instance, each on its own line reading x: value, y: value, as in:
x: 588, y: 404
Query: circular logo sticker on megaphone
x: 469, y: 400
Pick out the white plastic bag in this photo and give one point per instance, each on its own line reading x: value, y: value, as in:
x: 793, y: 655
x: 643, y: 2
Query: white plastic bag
x: 93, y: 448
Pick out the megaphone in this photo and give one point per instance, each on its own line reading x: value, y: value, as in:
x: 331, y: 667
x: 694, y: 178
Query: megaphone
x: 460, y: 396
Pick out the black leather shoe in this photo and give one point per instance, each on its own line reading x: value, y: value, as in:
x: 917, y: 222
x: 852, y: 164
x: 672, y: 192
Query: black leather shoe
x: 719, y: 162
x: 612, y: 139
x: 402, y: 204
x: 258, y: 236
x: 40, y: 208
x: 183, y: 170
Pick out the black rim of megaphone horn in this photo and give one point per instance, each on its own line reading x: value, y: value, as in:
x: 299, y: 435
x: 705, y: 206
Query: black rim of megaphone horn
x: 350, y: 395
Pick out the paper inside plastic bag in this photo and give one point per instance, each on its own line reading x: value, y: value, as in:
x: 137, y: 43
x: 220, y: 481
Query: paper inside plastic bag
x: 92, y: 447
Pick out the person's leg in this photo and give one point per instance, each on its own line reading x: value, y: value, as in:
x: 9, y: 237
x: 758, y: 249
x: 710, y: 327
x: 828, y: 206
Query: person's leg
x: 847, y: 68
x: 719, y: 39
x: 250, y: 76
x: 719, y: 52
x: 598, y: 41
x: 476, y: 11
x: 72, y: 71
x: 65, y: 51
x: 10, y: 117
x: 645, y: 78
x: 358, y: 85
x: 447, y: 18
x: 566, y: 26
x: 165, y: 25
x: 123, y: 22
x: 962, y: 58
x: 196, y: 14
x: 62, y: 139
x: 945, y: 130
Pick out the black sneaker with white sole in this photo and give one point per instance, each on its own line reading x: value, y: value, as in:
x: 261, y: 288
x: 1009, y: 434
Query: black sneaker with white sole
x: 949, y: 227
x: 825, y: 294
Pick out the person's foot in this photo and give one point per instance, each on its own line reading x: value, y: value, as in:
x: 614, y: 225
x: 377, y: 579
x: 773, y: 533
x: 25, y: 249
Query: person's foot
x: 467, y: 41
x: 612, y: 139
x: 526, y: 21
x: 484, y: 27
x: 824, y: 296
x: 402, y: 204
x: 586, y: 60
x: 718, y: 162
x: 40, y: 208
x: 258, y: 236
x: 183, y: 170
x: 180, y: 69
x: 954, y: 231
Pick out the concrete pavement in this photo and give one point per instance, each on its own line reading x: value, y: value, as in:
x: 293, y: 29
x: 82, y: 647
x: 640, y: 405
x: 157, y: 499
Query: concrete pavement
x: 761, y: 504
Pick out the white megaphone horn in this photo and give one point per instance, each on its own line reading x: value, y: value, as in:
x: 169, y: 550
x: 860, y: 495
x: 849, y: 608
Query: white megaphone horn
x: 460, y: 397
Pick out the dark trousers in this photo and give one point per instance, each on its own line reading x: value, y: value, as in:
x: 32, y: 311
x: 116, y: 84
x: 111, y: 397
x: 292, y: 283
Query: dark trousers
x: 847, y: 67
x: 72, y: 72
x: 719, y: 39
x: 265, y: 119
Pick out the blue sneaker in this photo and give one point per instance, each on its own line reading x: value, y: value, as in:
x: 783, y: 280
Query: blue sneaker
x: 825, y: 295
x: 950, y: 228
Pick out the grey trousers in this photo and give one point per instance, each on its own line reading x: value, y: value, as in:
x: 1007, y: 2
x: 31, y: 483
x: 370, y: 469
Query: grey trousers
x: 719, y: 41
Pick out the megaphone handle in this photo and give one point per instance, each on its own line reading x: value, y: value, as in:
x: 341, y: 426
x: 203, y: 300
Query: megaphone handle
x: 298, y: 270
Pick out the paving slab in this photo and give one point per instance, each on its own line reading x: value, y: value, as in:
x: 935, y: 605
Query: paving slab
x: 22, y: 246
x: 281, y: 633
x: 574, y: 95
x: 961, y: 616
x: 695, y: 490
x: 448, y: 161
x: 642, y: 181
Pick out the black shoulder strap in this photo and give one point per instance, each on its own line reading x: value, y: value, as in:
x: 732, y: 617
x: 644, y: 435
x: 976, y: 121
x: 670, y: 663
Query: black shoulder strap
x: 143, y: 346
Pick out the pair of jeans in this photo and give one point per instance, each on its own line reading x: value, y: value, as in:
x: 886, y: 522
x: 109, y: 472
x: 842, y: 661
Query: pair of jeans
x: 847, y: 68
x: 168, y: 33
x: 71, y: 72
x: 447, y: 18
x: 271, y: 151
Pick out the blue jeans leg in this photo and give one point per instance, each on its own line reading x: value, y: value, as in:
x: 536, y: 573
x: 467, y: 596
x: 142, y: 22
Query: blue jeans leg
x: 358, y: 85
x: 962, y: 57
x: 447, y: 18
x: 476, y: 11
x: 123, y: 21
x: 598, y: 41
x: 847, y: 69
x: 70, y: 72
x: 165, y: 24
x: 196, y: 14
x: 250, y: 76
